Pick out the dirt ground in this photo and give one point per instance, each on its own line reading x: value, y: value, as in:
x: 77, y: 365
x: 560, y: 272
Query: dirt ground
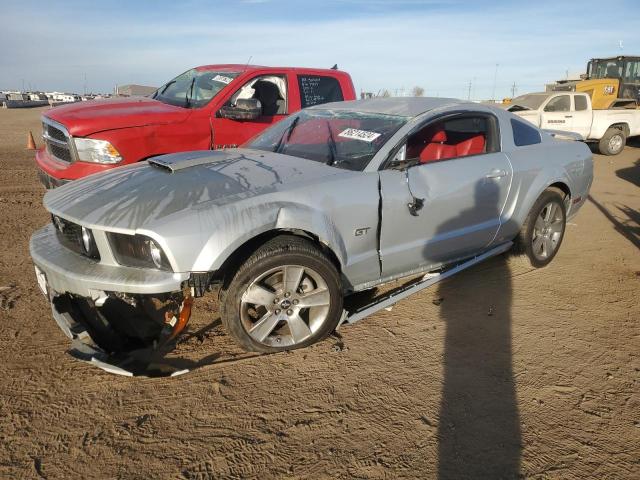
x: 502, y: 372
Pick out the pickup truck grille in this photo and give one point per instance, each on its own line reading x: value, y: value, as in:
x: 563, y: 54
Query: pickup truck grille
x: 61, y: 153
x: 57, y: 141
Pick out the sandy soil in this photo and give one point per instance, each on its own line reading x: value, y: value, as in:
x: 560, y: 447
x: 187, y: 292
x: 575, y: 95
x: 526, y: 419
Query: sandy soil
x: 502, y: 372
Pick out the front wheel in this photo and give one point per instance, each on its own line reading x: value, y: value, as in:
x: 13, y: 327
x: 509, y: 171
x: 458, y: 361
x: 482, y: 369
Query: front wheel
x: 541, y: 235
x: 286, y: 295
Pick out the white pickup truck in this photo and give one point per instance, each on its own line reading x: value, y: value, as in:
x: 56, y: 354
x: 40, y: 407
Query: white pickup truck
x: 572, y: 112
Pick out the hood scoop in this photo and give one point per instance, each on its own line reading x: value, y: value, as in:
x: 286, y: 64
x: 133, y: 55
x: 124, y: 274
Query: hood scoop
x: 179, y: 161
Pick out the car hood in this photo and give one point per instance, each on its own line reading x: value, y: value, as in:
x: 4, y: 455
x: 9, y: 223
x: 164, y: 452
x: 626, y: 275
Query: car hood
x: 86, y: 118
x: 170, y: 187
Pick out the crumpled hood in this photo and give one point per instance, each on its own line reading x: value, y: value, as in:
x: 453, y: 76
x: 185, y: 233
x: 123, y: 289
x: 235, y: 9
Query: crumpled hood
x: 86, y: 118
x: 143, y: 196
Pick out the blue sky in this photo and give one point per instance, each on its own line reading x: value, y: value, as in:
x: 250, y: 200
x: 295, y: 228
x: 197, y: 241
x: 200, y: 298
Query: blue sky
x: 440, y: 46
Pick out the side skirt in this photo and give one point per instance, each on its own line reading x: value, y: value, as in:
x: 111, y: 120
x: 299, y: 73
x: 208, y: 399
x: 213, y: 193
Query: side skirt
x: 426, y: 281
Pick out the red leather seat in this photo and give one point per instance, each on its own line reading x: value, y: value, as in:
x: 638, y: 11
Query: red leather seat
x: 436, y: 149
x: 471, y: 146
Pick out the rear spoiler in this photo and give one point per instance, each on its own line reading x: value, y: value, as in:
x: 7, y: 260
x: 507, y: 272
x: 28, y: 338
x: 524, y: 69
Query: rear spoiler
x: 562, y: 135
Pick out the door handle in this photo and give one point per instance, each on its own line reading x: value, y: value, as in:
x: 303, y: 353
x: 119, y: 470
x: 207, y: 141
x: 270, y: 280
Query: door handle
x: 496, y: 173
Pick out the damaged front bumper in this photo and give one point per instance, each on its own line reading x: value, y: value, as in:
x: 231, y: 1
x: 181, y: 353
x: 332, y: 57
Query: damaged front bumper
x: 121, y: 319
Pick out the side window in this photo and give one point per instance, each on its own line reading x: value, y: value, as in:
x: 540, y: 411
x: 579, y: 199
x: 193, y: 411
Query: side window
x: 456, y: 137
x: 632, y: 71
x: 271, y: 90
x: 581, y: 102
x: 316, y: 89
x: 561, y: 103
x: 524, y: 134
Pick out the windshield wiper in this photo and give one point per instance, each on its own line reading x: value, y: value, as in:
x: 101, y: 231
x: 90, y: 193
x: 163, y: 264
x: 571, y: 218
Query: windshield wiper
x: 287, y: 133
x: 187, y: 96
x: 167, y: 86
x: 333, y: 150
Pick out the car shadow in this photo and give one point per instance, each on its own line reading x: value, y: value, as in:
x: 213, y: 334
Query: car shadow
x: 479, y: 424
x: 630, y: 174
x: 630, y: 229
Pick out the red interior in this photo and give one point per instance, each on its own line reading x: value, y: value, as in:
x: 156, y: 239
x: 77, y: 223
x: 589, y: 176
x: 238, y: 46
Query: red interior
x: 440, y: 147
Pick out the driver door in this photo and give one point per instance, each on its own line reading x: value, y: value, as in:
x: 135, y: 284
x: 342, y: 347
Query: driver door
x: 462, y: 200
x: 557, y: 114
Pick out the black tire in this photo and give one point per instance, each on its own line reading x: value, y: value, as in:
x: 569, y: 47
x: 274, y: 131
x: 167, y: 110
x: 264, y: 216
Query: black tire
x: 294, y: 252
x: 527, y: 241
x: 613, y: 141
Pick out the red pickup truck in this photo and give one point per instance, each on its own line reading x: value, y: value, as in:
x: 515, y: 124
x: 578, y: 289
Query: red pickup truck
x: 208, y: 107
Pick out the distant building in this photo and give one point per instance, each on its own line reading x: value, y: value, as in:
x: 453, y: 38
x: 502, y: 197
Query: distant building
x: 131, y: 90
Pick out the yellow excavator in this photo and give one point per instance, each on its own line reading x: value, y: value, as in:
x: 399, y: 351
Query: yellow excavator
x: 610, y: 82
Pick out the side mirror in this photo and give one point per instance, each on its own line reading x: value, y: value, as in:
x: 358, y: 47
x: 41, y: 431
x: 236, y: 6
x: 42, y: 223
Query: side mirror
x: 244, y: 109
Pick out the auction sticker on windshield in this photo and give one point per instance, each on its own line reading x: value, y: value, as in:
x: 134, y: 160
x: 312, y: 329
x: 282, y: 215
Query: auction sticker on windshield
x: 356, y: 134
x: 222, y: 79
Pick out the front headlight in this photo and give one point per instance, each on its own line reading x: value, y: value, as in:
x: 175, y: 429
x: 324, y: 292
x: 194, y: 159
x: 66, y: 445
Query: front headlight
x: 96, y: 151
x: 138, y: 251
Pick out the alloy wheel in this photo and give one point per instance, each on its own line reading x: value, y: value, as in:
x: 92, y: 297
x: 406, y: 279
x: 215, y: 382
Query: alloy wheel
x: 547, y: 231
x: 285, y: 305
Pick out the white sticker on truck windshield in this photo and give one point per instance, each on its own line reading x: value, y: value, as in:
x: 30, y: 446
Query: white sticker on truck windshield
x: 356, y: 134
x: 223, y: 79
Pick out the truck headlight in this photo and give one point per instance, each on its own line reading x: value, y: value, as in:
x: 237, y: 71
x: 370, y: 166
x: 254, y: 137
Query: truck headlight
x: 138, y: 251
x: 96, y: 151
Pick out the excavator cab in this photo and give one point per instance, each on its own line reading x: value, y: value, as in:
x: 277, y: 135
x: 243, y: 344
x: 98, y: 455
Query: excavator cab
x: 612, y: 82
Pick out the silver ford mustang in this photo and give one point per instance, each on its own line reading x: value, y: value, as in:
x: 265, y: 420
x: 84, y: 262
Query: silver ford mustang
x: 333, y: 200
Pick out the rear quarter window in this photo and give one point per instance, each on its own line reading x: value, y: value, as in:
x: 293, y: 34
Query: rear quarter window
x: 524, y: 134
x: 317, y: 89
x: 580, y: 103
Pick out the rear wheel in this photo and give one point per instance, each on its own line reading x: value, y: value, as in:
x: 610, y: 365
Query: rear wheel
x: 541, y: 235
x: 287, y: 295
x: 612, y: 142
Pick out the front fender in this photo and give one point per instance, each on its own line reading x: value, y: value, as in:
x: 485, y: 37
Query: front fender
x: 240, y: 226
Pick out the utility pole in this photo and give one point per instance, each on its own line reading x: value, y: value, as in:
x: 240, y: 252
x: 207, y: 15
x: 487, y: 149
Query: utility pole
x: 514, y: 88
x: 495, y: 78
x: 469, y: 92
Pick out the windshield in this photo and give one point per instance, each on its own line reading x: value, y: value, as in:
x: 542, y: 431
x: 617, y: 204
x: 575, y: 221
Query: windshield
x: 529, y: 102
x: 339, y: 138
x: 193, y: 88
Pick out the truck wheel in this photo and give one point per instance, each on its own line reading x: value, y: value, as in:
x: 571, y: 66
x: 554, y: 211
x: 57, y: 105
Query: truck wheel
x: 542, y: 232
x: 286, y: 295
x: 612, y: 142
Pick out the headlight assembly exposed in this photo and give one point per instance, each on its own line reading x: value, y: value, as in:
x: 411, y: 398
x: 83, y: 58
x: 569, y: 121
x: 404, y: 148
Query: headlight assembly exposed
x: 75, y: 237
x: 88, y: 243
x: 96, y: 151
x: 138, y: 251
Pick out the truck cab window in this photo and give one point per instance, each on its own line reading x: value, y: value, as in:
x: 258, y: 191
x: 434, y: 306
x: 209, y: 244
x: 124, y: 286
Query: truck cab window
x: 270, y: 90
x: 561, y: 103
x: 580, y: 102
x: 316, y: 89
